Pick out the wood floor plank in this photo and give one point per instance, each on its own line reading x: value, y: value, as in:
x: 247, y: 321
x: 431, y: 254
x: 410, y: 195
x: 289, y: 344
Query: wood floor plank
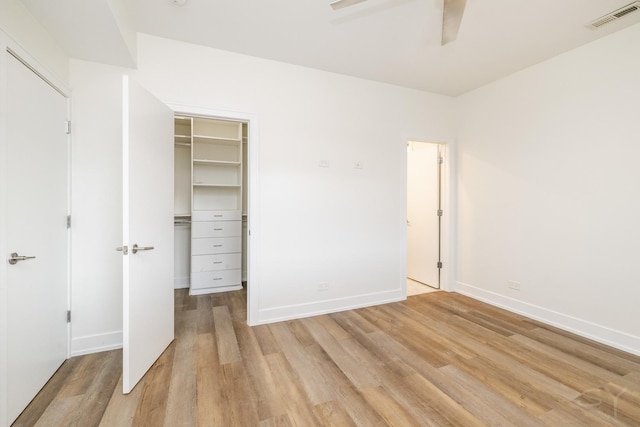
x: 332, y: 414
x: 205, y: 323
x: 438, y: 359
x: 426, y: 330
x: 268, y: 344
x: 49, y: 392
x: 279, y: 421
x: 491, y: 407
x: 96, y: 397
x: 122, y: 407
x: 228, y: 351
x: 240, y: 409
x: 314, y: 383
x: 358, y: 374
x: 595, y: 355
x: 292, y: 391
x: 587, y: 370
x: 61, y: 412
x: 351, y: 322
x: 392, y: 412
x: 181, y: 399
x: 82, y: 376
x: 153, y: 400
x: 208, y: 392
x: 263, y: 387
x: 343, y: 390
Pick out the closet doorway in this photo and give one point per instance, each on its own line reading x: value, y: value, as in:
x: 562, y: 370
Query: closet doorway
x: 424, y: 214
x: 214, y: 164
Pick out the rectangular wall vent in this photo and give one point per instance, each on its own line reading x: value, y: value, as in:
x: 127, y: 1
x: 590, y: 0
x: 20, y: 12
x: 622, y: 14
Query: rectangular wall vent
x: 615, y: 15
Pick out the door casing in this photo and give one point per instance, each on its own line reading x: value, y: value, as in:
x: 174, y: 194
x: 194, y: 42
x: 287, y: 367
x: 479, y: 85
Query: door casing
x: 446, y: 257
x: 253, y: 208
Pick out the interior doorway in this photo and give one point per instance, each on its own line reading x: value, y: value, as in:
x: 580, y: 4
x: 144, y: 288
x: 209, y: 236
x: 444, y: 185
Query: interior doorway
x: 243, y: 172
x: 424, y: 214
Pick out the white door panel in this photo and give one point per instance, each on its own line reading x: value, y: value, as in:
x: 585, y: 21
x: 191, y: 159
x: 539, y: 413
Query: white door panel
x: 36, y: 201
x: 148, y: 222
x: 422, y: 213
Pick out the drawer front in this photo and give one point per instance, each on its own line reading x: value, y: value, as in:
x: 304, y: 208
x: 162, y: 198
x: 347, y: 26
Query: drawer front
x: 212, y: 279
x: 216, y: 216
x: 216, y: 245
x: 200, y: 263
x: 216, y: 229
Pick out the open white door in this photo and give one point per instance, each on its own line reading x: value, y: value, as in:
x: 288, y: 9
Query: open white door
x: 423, y: 225
x: 147, y: 231
x: 35, y: 229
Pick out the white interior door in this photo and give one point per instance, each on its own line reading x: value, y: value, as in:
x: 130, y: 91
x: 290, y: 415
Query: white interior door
x: 36, y: 226
x: 423, y: 229
x: 148, y: 225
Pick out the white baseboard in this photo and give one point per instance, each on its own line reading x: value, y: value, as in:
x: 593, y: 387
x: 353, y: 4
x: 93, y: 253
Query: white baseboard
x: 298, y: 311
x: 96, y: 343
x: 181, y: 282
x: 614, y: 338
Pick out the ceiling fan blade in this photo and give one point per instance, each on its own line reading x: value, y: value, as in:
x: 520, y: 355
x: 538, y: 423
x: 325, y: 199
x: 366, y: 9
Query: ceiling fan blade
x: 339, y: 4
x: 451, y: 18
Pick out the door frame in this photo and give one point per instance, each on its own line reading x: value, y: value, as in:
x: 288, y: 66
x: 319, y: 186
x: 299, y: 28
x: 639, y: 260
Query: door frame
x: 426, y: 186
x: 446, y: 257
x: 253, y: 192
x: 9, y: 47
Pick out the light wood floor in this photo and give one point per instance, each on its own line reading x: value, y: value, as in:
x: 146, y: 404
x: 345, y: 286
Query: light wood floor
x: 436, y: 359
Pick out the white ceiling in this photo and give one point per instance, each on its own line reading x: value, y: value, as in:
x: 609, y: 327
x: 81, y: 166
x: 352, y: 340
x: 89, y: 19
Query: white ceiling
x: 393, y: 41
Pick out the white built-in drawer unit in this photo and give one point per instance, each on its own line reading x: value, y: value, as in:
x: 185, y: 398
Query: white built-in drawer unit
x: 216, y: 210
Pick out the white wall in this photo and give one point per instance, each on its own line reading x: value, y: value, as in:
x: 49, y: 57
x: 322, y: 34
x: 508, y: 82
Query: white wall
x: 548, y: 190
x: 25, y: 30
x: 338, y: 224
x: 96, y: 273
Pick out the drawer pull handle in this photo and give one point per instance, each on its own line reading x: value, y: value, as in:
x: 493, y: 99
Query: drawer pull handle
x: 217, y: 278
x: 217, y: 246
x: 217, y: 216
x: 217, y: 262
x: 218, y: 229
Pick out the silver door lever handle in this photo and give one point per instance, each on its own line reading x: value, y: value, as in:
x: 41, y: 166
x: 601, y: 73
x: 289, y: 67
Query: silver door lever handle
x: 15, y: 258
x: 137, y: 248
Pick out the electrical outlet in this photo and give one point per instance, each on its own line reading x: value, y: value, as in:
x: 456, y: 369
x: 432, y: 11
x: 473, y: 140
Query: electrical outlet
x: 358, y: 165
x: 323, y: 163
x: 323, y: 286
x: 512, y: 284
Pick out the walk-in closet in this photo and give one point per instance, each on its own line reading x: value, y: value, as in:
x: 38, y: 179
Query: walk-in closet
x: 210, y: 204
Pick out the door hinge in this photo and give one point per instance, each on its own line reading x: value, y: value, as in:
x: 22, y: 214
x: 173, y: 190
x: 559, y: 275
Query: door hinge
x: 68, y: 316
x: 440, y: 212
x: 67, y: 126
x: 440, y: 160
x: 439, y: 264
x: 68, y: 221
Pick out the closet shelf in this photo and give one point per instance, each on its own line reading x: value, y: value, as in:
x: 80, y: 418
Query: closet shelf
x: 215, y: 162
x: 216, y: 140
x: 195, y: 184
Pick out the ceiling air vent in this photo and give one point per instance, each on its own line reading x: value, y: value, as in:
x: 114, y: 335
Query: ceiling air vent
x: 615, y: 15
